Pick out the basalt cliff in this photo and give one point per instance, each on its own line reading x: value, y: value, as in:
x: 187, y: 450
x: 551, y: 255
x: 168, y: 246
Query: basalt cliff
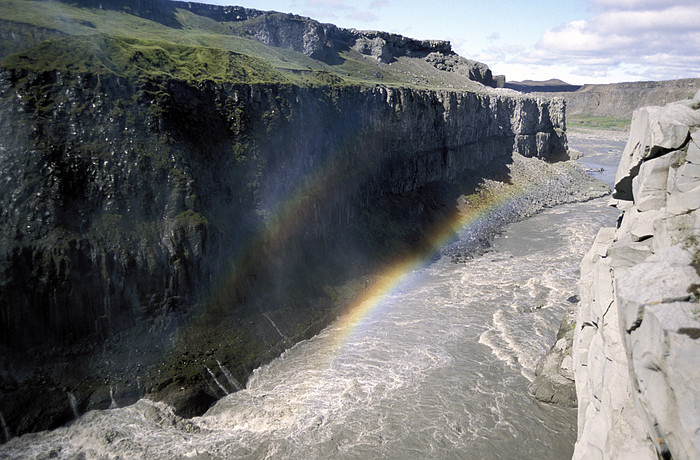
x: 636, y: 356
x: 180, y: 205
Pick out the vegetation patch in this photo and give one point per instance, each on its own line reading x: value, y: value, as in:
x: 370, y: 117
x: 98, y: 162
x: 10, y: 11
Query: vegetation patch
x: 142, y: 60
x: 578, y: 121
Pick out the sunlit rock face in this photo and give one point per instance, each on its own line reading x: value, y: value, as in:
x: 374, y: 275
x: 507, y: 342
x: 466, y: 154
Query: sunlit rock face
x: 636, y: 348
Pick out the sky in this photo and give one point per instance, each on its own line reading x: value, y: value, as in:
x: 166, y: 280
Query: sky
x: 578, y: 41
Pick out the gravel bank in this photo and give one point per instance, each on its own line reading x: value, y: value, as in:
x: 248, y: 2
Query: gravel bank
x: 531, y: 186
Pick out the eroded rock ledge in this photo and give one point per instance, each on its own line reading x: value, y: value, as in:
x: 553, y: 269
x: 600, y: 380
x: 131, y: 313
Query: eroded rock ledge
x: 636, y: 349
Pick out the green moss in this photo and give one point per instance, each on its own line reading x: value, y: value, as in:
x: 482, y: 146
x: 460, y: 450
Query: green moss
x: 40, y: 20
x: 190, y: 219
x: 325, y: 78
x: 142, y: 60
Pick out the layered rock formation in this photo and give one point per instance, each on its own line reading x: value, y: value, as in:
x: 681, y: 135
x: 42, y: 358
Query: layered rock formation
x: 636, y: 349
x: 325, y: 41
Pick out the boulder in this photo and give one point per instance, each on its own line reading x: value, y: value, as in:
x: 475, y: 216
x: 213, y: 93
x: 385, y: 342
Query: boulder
x: 375, y: 47
x: 675, y: 229
x: 684, y: 189
x: 554, y: 376
x: 639, y: 225
x: 693, y: 153
x: 649, y: 185
x: 662, y: 277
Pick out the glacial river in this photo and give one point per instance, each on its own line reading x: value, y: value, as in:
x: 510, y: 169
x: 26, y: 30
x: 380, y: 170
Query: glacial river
x: 440, y: 369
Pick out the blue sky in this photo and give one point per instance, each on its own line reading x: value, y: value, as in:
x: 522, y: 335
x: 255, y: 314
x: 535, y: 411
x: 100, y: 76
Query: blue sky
x: 584, y: 41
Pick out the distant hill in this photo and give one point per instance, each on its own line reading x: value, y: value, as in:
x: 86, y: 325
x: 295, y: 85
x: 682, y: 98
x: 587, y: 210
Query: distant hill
x: 616, y: 100
x: 546, y: 86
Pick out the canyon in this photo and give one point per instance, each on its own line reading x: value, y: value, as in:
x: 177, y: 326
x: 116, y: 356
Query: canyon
x: 203, y: 188
x: 614, y: 100
x: 174, y: 216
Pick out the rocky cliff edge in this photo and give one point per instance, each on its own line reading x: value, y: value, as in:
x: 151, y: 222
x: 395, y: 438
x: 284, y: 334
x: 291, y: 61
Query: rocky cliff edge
x: 170, y: 215
x: 636, y: 349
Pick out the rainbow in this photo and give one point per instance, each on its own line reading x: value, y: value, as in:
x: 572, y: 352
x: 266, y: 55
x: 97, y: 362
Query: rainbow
x: 292, y: 214
x: 386, y: 279
x: 369, y: 302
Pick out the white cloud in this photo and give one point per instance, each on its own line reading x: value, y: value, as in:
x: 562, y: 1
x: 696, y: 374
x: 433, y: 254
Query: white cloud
x: 647, y: 39
x: 639, y: 4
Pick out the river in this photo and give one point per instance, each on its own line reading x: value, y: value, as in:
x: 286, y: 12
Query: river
x: 441, y: 368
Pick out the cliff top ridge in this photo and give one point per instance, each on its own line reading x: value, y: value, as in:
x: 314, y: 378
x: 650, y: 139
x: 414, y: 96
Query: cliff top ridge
x: 297, y: 46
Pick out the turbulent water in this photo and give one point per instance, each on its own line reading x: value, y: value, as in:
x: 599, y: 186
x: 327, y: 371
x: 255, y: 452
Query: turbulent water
x: 439, y: 369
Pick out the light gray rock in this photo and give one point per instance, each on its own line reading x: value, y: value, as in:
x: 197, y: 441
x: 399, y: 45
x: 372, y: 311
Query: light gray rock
x: 636, y: 349
x: 649, y: 185
x: 375, y: 47
x: 693, y: 153
x: 684, y: 188
x: 639, y: 225
x: 628, y: 254
x: 622, y: 205
x: 666, y: 360
x: 670, y: 126
x: 663, y: 277
x: 671, y: 230
x: 687, y: 178
x: 653, y: 131
x: 633, y: 152
x: 608, y: 425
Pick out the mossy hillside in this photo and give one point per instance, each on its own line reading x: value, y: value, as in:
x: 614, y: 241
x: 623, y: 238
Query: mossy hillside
x: 35, y: 20
x: 28, y: 23
x: 141, y: 60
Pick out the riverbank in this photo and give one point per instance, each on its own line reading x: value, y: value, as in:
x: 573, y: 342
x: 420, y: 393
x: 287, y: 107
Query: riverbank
x: 531, y: 186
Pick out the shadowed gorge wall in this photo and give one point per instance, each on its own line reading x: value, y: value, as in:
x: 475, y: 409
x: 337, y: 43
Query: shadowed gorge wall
x: 139, y: 189
x: 167, y: 208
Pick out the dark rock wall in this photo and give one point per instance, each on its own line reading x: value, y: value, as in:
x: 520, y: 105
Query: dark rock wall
x: 105, y: 193
x: 126, y: 205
